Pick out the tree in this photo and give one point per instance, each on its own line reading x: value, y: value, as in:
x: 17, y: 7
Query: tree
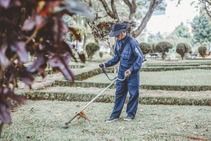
x: 202, y: 51
x: 181, y: 31
x: 91, y: 48
x: 201, y: 28
x: 182, y: 49
x: 155, y: 37
x: 145, y: 47
x: 207, y: 6
x: 35, y: 27
x: 114, y: 14
x: 163, y: 47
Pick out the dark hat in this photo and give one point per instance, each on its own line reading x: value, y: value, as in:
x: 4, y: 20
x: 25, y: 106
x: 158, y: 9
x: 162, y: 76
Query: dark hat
x: 117, y: 29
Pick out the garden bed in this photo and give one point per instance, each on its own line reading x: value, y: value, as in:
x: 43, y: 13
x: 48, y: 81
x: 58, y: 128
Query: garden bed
x: 146, y: 96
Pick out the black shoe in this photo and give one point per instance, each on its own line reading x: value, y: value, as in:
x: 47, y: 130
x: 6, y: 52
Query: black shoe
x: 128, y: 118
x: 111, y: 120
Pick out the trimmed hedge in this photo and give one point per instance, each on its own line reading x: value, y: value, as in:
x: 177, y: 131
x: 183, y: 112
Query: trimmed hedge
x: 148, y: 87
x: 110, y: 98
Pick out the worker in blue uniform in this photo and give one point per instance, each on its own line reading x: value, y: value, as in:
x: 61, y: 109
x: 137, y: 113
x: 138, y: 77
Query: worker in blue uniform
x: 128, y: 53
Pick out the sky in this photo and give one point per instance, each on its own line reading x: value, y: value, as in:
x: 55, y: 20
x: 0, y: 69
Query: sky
x: 173, y: 17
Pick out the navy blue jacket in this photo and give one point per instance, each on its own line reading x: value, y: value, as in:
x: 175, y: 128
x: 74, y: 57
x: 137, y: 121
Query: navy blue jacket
x: 130, y: 58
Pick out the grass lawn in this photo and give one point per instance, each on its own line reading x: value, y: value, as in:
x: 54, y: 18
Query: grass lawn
x: 43, y: 120
x: 182, y: 77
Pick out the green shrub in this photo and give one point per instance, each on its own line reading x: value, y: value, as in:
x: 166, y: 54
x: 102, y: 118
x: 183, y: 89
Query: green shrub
x: 91, y: 48
x: 202, y: 51
x: 145, y: 47
x: 163, y: 47
x: 182, y: 49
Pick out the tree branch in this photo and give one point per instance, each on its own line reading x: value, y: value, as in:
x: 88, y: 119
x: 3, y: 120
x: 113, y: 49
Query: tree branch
x: 113, y: 7
x: 132, y: 7
x: 207, y: 10
x: 178, y: 3
x: 107, y: 9
x: 153, y: 5
x: 90, y: 3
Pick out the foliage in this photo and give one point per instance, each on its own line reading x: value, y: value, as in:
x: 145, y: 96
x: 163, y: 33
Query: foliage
x: 202, y: 51
x: 201, y: 27
x: 182, y: 31
x: 206, y: 7
x: 155, y: 37
x: 182, y: 49
x: 115, y: 11
x: 145, y: 47
x: 91, y: 48
x: 36, y: 28
x: 163, y: 47
x: 100, y: 30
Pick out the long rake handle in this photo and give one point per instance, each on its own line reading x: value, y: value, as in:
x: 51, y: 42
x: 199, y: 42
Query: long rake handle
x: 90, y: 102
x: 97, y: 95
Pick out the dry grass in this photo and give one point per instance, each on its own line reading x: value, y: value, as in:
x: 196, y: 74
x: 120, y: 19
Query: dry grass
x: 42, y: 121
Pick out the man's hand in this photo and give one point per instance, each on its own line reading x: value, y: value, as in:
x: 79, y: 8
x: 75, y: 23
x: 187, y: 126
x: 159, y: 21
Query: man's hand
x: 102, y: 65
x: 127, y: 73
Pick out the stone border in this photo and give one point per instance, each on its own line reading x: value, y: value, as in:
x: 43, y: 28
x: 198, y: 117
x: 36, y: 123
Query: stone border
x: 148, y: 87
x: 110, y: 98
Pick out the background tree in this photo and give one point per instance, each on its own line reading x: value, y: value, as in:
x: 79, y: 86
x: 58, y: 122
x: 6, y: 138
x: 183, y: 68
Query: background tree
x: 154, y: 38
x: 163, y: 47
x: 91, y: 49
x: 206, y: 6
x: 202, y: 51
x: 201, y: 28
x: 182, y: 49
x: 139, y: 12
x: 36, y: 28
x: 182, y: 31
x: 145, y: 47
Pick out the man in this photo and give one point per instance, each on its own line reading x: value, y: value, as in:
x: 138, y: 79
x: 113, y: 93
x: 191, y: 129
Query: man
x: 128, y: 53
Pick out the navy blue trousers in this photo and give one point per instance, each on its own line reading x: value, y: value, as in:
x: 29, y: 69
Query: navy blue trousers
x: 130, y: 85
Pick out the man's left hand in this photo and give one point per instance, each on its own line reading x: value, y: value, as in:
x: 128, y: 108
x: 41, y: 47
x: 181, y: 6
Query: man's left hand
x: 127, y: 73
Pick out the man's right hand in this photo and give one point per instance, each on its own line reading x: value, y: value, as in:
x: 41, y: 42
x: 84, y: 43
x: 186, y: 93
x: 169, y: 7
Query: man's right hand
x: 102, y: 65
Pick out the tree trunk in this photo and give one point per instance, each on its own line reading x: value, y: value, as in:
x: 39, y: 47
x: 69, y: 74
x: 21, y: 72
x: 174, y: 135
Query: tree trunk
x: 132, y: 6
x: 153, y: 5
x: 113, y: 7
x: 107, y: 9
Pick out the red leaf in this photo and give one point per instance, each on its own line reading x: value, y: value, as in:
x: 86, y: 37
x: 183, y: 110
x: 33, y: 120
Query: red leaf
x: 26, y: 76
x: 4, y: 61
x: 19, y: 47
x: 61, y: 63
x: 29, y: 24
x: 36, y: 64
x: 4, y: 3
x: 5, y: 116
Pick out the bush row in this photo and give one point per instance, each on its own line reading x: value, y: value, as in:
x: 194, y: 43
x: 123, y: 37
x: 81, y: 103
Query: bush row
x: 110, y: 98
x: 148, y: 87
x: 163, y: 47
